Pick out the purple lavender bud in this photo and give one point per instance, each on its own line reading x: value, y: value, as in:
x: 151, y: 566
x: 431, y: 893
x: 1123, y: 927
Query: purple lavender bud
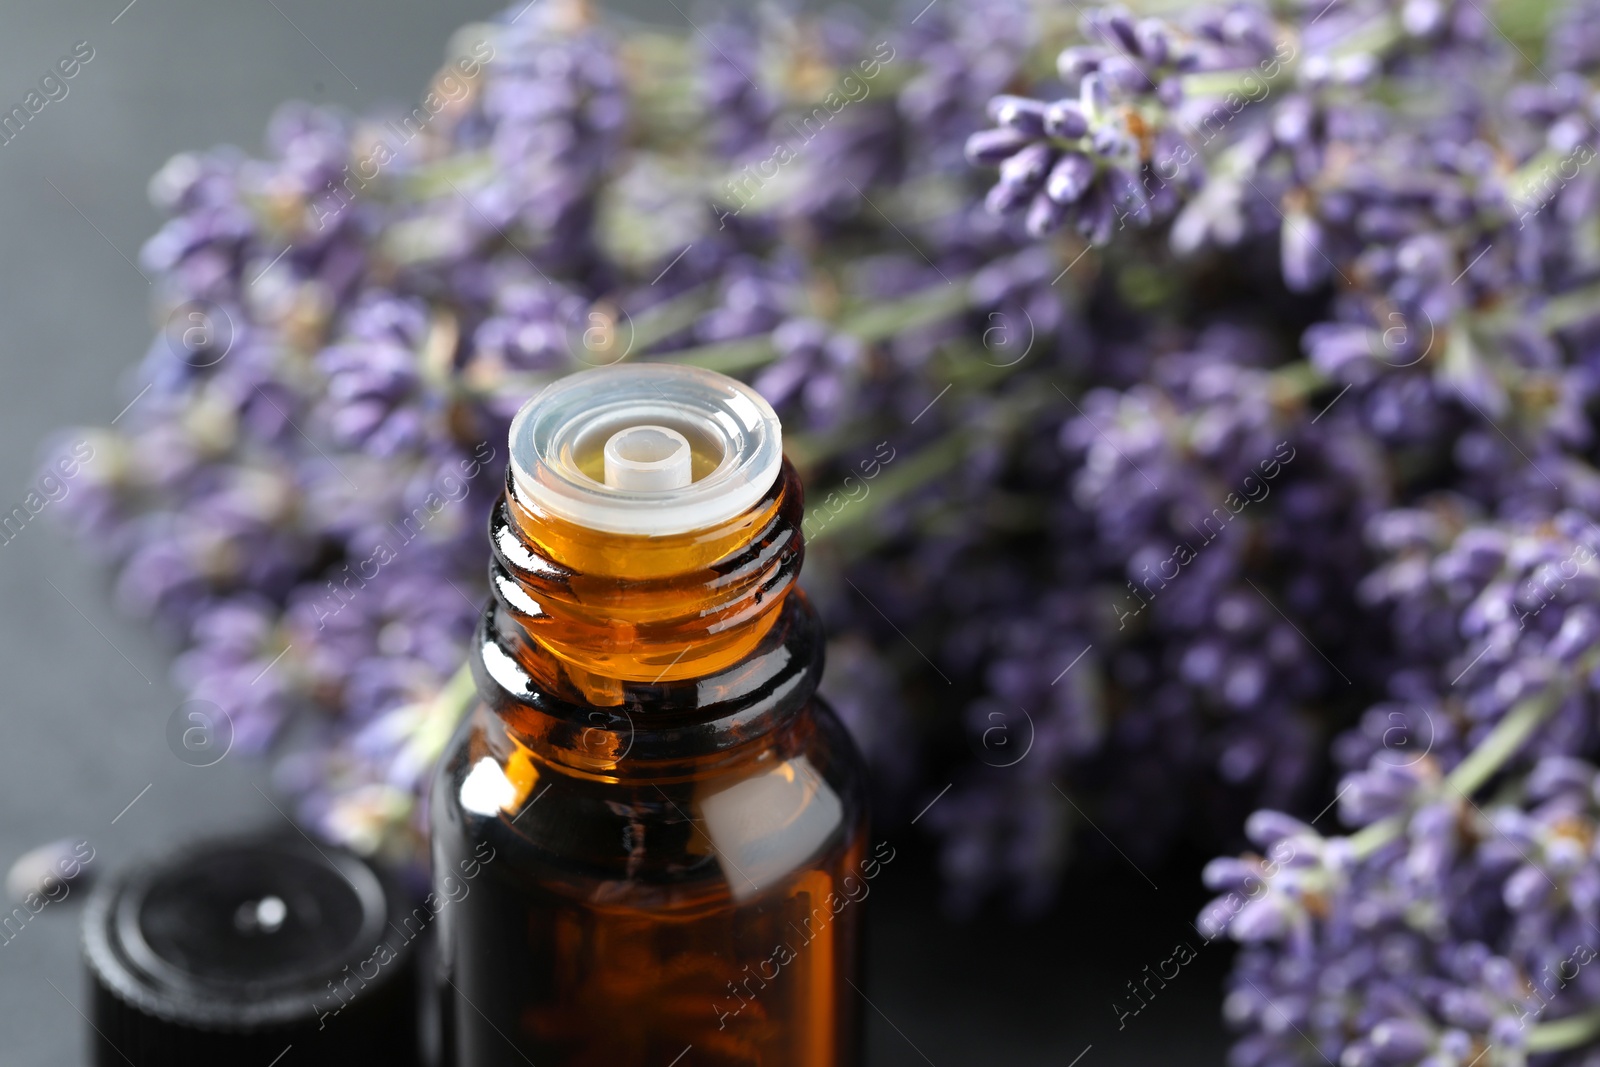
x: 1203, y: 663
x: 1228, y: 873
x: 1017, y: 113
x: 1564, y: 855
x: 1366, y: 797
x: 1111, y: 142
x: 1483, y: 551
x: 1116, y: 27
x: 1007, y: 196
x: 991, y: 147
x: 1427, y: 254
x: 1554, y: 775
x: 1355, y: 69
x: 1583, y: 889
x: 1247, y: 26
x: 1568, y: 133
x: 1070, y: 178
x: 1215, y: 918
x: 1508, y: 1032
x: 1305, y: 265
x: 1153, y: 41
x: 1066, y: 120
x: 801, y: 336
x: 1264, y: 919
x: 1123, y: 77
x: 1454, y: 206
x: 1579, y: 631
x: 1387, y: 223
x: 1097, y: 216
x: 1455, y: 1046
x: 1127, y: 194
x: 1093, y: 96
x: 1292, y: 119
x: 1267, y: 828
x: 1527, y: 889
x: 1359, y: 1054
x: 1076, y: 62
x: 1422, y: 18
x: 1028, y: 168
x: 1467, y: 1008
x: 1044, y: 215
x: 1401, y: 1040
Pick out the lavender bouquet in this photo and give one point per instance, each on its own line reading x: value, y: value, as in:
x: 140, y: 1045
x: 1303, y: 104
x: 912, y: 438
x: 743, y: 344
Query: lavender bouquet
x: 1197, y: 413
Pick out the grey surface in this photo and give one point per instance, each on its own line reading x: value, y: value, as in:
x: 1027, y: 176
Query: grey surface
x: 85, y: 698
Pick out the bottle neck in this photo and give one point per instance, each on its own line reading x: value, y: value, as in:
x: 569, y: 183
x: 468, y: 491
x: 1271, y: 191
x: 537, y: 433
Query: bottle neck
x: 598, y: 648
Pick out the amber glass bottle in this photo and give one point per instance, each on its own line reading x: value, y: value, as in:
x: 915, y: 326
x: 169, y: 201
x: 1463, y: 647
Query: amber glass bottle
x: 650, y: 833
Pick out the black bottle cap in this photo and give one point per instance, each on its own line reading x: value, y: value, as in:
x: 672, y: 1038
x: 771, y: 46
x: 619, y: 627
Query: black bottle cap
x: 271, y: 952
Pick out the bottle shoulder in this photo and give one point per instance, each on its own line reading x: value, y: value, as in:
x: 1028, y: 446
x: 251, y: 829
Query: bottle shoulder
x: 733, y: 829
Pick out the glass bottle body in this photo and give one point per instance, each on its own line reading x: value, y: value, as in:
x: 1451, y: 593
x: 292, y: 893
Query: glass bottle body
x: 680, y: 867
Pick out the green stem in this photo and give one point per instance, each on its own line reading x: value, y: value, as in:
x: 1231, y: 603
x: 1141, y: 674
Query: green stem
x: 1375, y: 38
x: 1374, y: 836
x: 1296, y: 381
x: 444, y: 711
x: 1246, y: 83
x: 1558, y: 1034
x: 1526, y: 23
x: 1521, y: 180
x: 668, y: 317
x: 1505, y: 739
x: 727, y: 357
x: 871, y: 324
x: 1570, y: 309
x: 1481, y: 764
x: 896, y: 482
x: 928, y: 306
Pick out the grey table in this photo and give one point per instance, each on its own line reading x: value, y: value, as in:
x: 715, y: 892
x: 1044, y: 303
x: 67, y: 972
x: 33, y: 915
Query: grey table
x: 85, y: 698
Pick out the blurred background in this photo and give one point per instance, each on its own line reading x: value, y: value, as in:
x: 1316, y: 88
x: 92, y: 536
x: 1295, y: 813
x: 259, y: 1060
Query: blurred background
x: 86, y: 698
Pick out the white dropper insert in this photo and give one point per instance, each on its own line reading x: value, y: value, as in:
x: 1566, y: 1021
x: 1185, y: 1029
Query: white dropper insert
x: 649, y: 457
x: 651, y: 449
